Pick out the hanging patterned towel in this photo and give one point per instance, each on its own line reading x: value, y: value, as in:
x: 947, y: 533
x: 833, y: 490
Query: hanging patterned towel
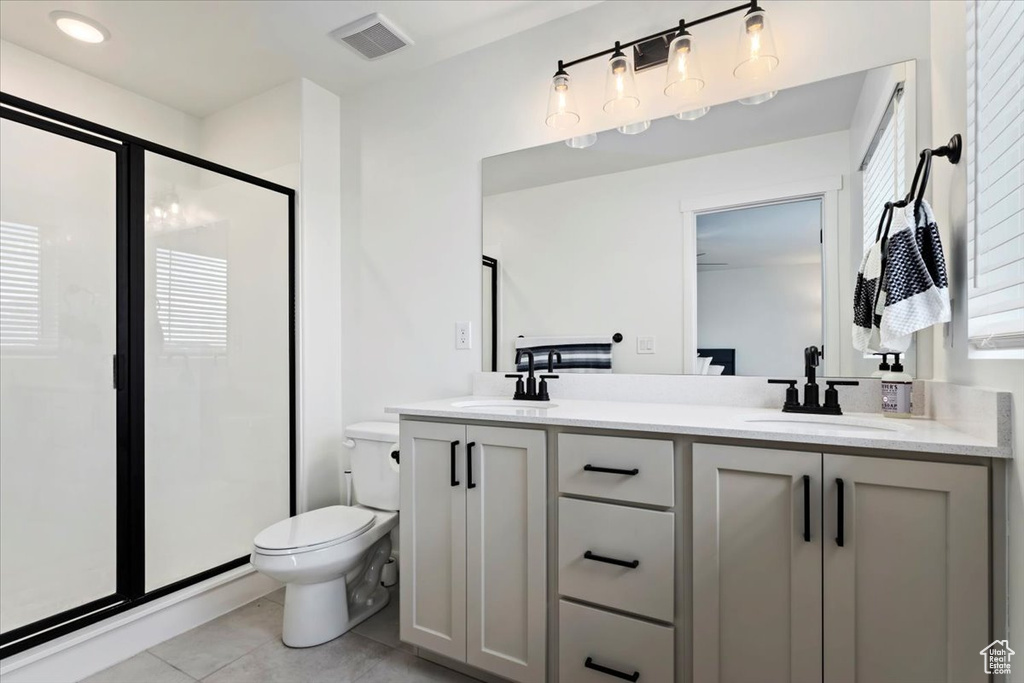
x: 915, y: 282
x: 902, y: 285
x: 868, y: 297
x: 589, y: 354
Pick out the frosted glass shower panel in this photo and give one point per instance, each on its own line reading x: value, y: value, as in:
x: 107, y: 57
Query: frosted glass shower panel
x: 58, y: 406
x: 217, y: 367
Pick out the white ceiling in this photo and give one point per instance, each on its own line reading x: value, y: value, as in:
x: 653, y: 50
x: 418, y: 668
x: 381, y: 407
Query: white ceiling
x: 200, y: 57
x: 771, y: 235
x: 814, y: 109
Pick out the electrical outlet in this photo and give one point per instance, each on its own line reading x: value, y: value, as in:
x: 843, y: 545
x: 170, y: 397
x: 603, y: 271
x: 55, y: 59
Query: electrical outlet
x: 645, y: 345
x: 464, y: 335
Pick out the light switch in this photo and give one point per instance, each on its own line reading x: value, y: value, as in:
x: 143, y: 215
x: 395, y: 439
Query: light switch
x: 463, y: 335
x: 645, y: 344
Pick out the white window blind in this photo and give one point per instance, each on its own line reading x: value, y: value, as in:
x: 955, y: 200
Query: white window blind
x: 995, y: 174
x: 21, y: 320
x: 192, y: 293
x: 884, y: 168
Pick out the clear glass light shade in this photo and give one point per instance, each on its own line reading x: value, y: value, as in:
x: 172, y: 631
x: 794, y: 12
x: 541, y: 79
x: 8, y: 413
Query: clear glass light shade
x: 693, y: 114
x: 582, y: 141
x: 683, y: 77
x: 758, y: 99
x: 634, y: 128
x: 562, y: 110
x: 620, y: 96
x: 756, y: 56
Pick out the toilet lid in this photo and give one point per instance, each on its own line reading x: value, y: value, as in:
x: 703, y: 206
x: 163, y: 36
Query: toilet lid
x: 327, y: 525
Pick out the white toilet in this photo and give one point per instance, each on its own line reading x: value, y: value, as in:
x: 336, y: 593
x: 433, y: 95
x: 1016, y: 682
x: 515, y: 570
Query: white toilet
x: 331, y: 559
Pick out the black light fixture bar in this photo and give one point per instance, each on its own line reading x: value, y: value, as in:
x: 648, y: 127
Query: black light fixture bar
x: 751, y: 6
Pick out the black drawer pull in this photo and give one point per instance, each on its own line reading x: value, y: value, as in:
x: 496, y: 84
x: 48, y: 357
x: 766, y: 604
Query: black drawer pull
x: 635, y: 676
x: 611, y: 470
x: 807, y: 508
x: 455, y: 445
x: 840, y: 514
x: 632, y: 564
x: 469, y: 465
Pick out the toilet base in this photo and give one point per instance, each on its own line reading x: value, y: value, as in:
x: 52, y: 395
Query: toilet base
x: 315, y: 613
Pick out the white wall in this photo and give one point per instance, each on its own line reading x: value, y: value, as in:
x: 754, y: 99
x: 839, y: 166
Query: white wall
x: 39, y: 79
x: 949, y: 200
x: 605, y: 254
x: 412, y: 151
x: 767, y: 314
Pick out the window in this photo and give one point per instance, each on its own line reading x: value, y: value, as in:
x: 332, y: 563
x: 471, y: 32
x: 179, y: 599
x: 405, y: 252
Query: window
x: 995, y: 177
x: 21, y: 320
x: 884, y: 168
x: 192, y: 295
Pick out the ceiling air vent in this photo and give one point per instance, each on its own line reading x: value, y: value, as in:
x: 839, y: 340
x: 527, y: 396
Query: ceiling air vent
x: 372, y: 36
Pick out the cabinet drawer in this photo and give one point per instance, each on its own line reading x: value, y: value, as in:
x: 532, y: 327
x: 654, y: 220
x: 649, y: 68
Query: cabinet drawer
x: 627, y: 536
x: 652, y: 484
x: 613, y: 641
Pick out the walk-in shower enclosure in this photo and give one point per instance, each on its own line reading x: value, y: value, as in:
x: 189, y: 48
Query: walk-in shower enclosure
x: 147, y: 380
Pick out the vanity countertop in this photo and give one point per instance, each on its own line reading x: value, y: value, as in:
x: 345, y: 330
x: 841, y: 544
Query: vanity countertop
x: 853, y: 430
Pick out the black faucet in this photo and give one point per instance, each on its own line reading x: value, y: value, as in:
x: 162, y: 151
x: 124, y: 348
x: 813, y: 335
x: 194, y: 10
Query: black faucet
x: 529, y: 391
x: 812, y: 356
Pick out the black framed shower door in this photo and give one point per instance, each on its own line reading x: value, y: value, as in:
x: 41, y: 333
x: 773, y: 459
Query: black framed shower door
x: 128, y: 365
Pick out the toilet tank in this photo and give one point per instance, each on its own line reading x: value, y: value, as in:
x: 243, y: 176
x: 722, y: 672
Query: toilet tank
x: 374, y: 471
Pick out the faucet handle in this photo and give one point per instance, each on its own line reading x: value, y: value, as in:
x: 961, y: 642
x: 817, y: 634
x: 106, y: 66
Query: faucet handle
x: 832, y: 394
x: 792, y: 393
x: 520, y: 387
x: 548, y: 376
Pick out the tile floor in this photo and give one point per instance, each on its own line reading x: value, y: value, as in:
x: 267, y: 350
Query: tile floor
x: 244, y: 646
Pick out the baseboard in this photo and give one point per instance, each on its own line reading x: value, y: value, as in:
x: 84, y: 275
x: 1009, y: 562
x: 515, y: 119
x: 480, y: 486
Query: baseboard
x: 96, y: 647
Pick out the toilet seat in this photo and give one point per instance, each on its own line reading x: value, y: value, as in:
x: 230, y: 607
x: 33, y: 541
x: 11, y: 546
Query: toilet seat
x: 314, y: 530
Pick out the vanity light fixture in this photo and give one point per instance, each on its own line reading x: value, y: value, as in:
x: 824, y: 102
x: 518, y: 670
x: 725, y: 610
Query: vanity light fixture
x: 683, y: 78
x: 693, y: 114
x: 79, y: 27
x: 634, y: 128
x: 756, y: 51
x: 758, y: 99
x: 582, y: 141
x: 562, y: 110
x: 676, y: 48
x: 620, y: 97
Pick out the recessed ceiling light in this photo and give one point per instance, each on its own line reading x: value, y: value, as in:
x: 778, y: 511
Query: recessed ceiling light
x: 79, y: 27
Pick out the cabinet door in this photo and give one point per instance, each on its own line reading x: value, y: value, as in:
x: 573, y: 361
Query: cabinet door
x: 506, y: 503
x: 432, y: 525
x: 906, y: 583
x: 756, y: 577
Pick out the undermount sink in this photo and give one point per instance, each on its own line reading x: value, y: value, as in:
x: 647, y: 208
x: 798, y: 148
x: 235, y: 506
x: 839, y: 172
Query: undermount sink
x: 495, y: 404
x: 829, y: 423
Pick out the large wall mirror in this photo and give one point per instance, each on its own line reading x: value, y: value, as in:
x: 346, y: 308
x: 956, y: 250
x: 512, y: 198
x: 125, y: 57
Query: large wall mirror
x: 717, y: 241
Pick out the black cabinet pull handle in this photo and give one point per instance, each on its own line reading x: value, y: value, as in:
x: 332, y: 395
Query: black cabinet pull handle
x: 611, y: 470
x: 615, y: 673
x: 839, y: 513
x: 469, y: 465
x: 807, y: 508
x: 631, y: 564
x: 455, y: 445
